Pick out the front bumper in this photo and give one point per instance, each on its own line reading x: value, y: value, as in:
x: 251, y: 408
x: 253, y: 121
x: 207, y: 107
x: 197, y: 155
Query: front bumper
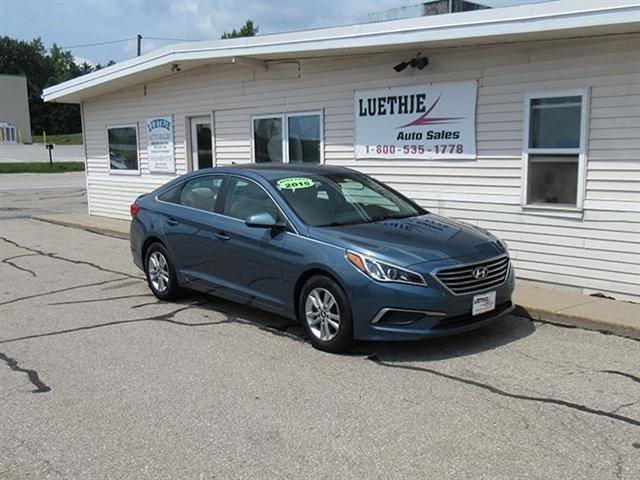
x: 392, y: 312
x: 447, y: 326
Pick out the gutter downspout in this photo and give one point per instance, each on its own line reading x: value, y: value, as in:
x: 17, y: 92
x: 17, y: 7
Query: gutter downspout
x: 86, y: 161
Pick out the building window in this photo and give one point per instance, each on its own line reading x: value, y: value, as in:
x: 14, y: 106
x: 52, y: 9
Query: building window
x: 554, y: 148
x: 7, y: 133
x: 267, y: 140
x: 288, y: 138
x: 123, y: 149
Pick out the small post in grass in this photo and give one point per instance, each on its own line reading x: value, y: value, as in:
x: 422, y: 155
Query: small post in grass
x: 50, y: 148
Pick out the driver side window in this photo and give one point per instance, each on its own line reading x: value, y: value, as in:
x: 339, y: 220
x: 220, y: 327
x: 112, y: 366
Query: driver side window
x: 245, y: 198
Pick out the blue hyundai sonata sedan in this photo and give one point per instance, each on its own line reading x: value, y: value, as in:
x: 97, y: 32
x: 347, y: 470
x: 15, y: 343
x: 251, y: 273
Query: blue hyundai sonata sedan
x: 340, y: 252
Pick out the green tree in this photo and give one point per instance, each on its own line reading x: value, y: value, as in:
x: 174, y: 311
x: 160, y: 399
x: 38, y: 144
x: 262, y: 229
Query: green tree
x: 249, y: 29
x: 99, y: 66
x: 43, y: 69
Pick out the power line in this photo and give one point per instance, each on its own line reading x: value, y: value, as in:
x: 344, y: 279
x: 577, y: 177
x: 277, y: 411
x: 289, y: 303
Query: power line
x: 127, y: 40
x: 171, y: 39
x: 98, y: 43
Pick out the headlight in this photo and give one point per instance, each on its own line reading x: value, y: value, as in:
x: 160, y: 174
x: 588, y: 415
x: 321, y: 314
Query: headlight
x: 383, y: 272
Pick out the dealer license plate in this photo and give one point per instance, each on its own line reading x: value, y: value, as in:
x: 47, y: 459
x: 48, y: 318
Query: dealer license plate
x: 484, y: 302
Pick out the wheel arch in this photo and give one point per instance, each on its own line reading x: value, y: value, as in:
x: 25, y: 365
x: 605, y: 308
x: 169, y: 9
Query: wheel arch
x: 145, y: 247
x: 304, y: 277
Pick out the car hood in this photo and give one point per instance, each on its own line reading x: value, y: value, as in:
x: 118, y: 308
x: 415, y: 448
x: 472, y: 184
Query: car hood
x: 409, y: 241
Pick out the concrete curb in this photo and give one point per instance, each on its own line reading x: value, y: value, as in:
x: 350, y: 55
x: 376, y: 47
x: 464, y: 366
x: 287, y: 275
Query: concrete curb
x: 538, y: 303
x: 100, y: 230
x: 574, y: 321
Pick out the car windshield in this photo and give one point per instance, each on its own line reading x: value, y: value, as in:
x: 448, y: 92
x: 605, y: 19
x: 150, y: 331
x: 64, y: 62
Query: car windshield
x: 343, y: 199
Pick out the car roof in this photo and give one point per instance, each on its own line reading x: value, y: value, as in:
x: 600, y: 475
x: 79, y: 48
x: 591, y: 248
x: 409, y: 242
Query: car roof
x: 271, y: 171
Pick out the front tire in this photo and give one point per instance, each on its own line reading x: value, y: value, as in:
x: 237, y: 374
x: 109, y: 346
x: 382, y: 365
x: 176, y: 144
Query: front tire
x: 161, y: 275
x: 325, y: 312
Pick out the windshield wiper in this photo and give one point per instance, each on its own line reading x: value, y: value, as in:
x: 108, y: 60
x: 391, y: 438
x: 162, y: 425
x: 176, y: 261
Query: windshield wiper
x: 340, y: 224
x: 332, y: 224
x: 391, y: 216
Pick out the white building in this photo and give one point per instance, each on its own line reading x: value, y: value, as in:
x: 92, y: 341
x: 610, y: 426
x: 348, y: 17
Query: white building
x: 15, y: 121
x: 545, y: 100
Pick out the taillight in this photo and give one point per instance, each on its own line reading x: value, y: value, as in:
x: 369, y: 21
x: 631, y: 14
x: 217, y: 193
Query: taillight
x: 134, y: 209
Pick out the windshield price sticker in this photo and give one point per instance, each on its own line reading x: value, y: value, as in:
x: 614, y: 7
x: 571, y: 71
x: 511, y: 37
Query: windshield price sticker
x: 295, y: 183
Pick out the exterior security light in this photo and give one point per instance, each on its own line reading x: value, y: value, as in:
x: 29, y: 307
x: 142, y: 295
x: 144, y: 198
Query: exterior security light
x: 416, y: 62
x: 420, y: 63
x: 401, y: 66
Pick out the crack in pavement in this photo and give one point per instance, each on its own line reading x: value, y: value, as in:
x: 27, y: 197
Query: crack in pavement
x: 625, y: 405
x: 12, y: 363
x: 92, y: 300
x: 140, y: 305
x: 165, y: 317
x: 61, y: 290
x: 21, y: 255
x: 622, y: 374
x: 169, y: 318
x: 490, y: 388
x: 124, y: 284
x: 70, y: 260
x: 8, y: 261
x: 581, y: 368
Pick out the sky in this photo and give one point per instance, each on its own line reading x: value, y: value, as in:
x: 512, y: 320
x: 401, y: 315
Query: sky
x: 69, y: 23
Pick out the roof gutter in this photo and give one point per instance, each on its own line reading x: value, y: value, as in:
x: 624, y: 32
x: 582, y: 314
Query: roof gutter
x: 463, y: 26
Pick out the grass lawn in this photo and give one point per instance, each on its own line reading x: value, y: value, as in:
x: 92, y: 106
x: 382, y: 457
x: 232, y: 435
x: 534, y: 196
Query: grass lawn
x: 41, y: 167
x: 66, y: 139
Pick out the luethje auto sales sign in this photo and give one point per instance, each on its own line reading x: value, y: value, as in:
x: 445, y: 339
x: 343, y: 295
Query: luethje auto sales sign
x: 436, y: 120
x: 160, y: 144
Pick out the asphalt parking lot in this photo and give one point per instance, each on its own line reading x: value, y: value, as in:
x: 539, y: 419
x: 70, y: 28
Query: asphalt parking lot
x: 98, y: 379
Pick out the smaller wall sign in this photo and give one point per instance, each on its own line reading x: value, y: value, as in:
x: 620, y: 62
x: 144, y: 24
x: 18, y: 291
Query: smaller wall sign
x: 160, y: 144
x: 430, y: 121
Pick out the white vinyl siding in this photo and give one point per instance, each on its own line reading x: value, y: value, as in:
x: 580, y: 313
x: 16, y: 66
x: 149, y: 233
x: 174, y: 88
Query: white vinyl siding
x: 596, y: 249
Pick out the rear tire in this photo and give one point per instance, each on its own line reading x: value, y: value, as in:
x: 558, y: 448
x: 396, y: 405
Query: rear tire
x: 325, y: 313
x: 161, y: 275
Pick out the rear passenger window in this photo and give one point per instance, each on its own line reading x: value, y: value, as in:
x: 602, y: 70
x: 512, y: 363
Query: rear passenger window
x: 171, y: 195
x: 202, y: 192
x: 245, y: 198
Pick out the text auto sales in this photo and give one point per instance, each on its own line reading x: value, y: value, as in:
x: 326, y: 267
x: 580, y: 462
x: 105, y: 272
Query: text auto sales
x: 407, y: 105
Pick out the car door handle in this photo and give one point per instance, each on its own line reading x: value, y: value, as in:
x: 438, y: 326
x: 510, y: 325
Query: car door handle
x: 172, y: 221
x: 223, y: 236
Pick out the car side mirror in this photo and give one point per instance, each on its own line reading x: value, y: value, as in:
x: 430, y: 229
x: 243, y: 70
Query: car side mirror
x: 264, y: 220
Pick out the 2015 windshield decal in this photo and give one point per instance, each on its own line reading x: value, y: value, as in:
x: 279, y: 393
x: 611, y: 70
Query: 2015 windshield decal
x: 294, y: 183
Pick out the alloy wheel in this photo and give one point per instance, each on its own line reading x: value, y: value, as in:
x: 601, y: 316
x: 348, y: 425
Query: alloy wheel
x: 158, y: 268
x: 322, y: 314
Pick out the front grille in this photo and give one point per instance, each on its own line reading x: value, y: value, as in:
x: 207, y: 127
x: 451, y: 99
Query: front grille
x: 460, y: 280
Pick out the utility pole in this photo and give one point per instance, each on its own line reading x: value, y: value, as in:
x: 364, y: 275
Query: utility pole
x: 139, y: 43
